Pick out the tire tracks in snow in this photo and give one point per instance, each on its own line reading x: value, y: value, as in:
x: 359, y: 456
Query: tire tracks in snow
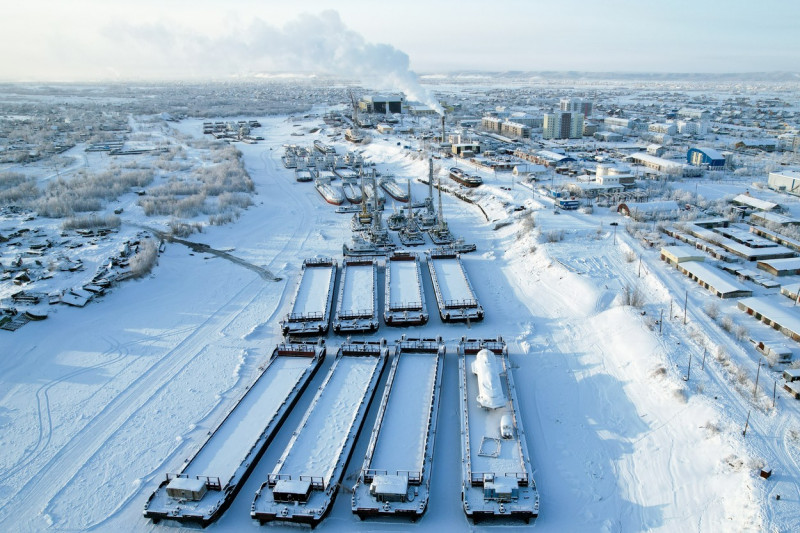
x: 62, y: 467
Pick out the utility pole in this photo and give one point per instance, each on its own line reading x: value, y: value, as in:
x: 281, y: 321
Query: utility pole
x: 640, y: 267
x: 705, y: 350
x: 744, y: 433
x: 774, y: 392
x: 758, y: 372
x: 688, y: 370
x: 660, y: 322
x: 685, y: 304
x: 670, y: 307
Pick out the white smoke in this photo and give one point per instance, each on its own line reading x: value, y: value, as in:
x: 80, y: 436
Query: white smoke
x: 317, y: 43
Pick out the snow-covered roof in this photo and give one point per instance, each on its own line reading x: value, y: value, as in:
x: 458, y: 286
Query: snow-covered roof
x: 683, y: 252
x: 784, y: 263
x: 660, y: 161
x: 710, y: 152
x: 385, y: 484
x: 187, y: 483
x: 786, y: 316
x: 756, y: 203
x: 776, y: 217
x: 714, y: 277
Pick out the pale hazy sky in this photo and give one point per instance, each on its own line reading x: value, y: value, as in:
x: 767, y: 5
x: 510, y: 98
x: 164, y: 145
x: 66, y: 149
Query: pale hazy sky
x: 168, y: 39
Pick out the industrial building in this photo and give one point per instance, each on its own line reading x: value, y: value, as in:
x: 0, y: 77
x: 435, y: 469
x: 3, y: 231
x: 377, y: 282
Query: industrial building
x: 562, y: 125
x: 667, y: 166
x: 690, y: 262
x: 382, y: 104
x: 788, y: 266
x: 784, y: 318
x: 705, y: 157
x: 785, y: 181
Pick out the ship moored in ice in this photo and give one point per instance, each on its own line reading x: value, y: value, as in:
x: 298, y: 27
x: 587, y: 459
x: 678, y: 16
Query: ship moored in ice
x: 311, y: 308
x: 496, y: 467
x: 468, y: 180
x: 305, y: 481
x: 396, y: 476
x: 206, y: 484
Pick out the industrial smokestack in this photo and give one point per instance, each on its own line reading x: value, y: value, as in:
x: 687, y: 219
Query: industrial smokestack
x: 430, y: 179
x: 442, y: 128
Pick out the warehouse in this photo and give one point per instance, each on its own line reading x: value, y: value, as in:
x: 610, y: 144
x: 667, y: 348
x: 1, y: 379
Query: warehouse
x: 718, y: 282
x: 788, y: 266
x: 706, y: 158
x: 783, y: 318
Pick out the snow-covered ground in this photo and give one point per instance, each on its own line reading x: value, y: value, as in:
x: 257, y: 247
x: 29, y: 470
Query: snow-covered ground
x: 97, y: 404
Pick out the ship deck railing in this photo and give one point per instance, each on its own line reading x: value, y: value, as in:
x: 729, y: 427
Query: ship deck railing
x: 306, y: 317
x: 414, y: 476
x: 405, y: 306
x: 460, y: 304
x: 317, y: 482
x: 479, y: 478
x: 356, y: 313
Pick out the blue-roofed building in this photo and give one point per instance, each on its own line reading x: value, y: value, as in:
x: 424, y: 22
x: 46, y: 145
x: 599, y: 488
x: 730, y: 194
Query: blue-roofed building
x: 705, y: 157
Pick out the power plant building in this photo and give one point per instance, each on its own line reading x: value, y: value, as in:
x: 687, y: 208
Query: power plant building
x: 382, y: 104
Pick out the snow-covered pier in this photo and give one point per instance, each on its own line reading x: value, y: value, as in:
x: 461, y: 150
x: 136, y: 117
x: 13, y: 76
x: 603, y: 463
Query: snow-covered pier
x: 405, y: 296
x: 454, y: 294
x: 304, y: 482
x: 357, y: 306
x: 311, y: 309
x: 496, y: 468
x: 208, y: 482
x: 396, y: 476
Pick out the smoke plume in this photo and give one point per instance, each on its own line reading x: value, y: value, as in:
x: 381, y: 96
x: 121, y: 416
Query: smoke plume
x: 310, y: 43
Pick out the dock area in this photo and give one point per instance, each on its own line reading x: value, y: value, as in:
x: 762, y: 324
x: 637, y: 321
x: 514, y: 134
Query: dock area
x: 396, y: 476
x: 311, y: 308
x: 497, y: 475
x: 405, y: 296
x: 357, y: 305
x: 207, y: 483
x: 305, y: 481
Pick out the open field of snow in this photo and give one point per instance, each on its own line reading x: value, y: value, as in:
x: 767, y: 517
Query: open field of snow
x: 97, y: 403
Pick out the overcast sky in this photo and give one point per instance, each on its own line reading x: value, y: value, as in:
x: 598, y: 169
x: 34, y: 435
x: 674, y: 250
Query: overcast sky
x: 169, y: 39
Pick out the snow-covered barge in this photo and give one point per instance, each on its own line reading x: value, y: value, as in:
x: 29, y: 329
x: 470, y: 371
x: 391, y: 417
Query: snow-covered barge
x: 357, y: 306
x: 304, y: 482
x: 454, y: 294
x: 331, y: 193
x: 311, y: 309
x: 208, y: 482
x: 396, y: 476
x: 496, y: 468
x: 405, y: 296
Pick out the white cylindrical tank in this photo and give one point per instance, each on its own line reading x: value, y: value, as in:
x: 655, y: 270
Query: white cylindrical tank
x: 490, y: 389
x: 506, y: 426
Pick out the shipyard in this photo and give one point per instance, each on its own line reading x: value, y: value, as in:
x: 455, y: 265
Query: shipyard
x: 286, y: 268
